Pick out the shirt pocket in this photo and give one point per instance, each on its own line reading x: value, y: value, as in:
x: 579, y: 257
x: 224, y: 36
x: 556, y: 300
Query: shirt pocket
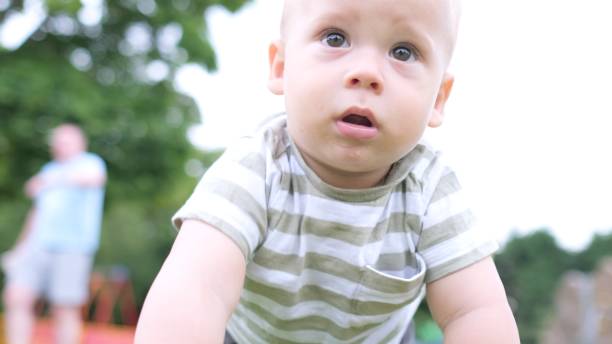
x: 384, y: 293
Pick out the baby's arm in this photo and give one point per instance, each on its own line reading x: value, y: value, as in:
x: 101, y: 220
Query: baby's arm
x: 196, y: 290
x: 470, y: 306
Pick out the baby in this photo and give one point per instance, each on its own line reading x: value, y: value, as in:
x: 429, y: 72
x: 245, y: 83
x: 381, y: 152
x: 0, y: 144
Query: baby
x: 331, y: 223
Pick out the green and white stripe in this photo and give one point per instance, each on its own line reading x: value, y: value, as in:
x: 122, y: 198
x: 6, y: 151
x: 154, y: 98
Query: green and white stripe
x: 327, y: 264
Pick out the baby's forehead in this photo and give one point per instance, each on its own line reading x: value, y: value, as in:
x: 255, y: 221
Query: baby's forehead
x: 453, y: 6
x: 448, y: 9
x: 440, y: 16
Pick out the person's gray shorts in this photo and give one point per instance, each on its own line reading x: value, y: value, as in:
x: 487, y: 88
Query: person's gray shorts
x: 63, y: 278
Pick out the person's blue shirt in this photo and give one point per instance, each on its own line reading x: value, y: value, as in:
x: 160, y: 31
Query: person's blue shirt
x: 68, y: 216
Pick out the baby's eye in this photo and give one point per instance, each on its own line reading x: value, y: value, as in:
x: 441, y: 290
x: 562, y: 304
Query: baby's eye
x: 334, y: 39
x: 403, y: 53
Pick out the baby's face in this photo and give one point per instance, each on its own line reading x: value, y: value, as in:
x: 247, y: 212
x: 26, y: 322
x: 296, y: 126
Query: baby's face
x: 362, y: 80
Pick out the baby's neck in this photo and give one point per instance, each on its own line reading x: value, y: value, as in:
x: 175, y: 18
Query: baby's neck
x: 346, y: 179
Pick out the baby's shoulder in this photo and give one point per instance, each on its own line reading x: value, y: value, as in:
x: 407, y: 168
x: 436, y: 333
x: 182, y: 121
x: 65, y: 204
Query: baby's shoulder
x: 269, y: 139
x: 425, y: 162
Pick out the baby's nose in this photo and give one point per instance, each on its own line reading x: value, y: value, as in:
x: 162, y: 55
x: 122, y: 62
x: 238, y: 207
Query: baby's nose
x: 365, y: 82
x: 365, y: 74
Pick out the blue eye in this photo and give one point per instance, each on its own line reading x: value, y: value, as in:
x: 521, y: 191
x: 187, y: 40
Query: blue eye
x: 334, y: 39
x: 403, y: 53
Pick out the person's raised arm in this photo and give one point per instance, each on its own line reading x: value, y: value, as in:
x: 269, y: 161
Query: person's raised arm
x: 90, y: 176
x: 470, y: 306
x: 34, y: 185
x: 196, y: 290
x: 92, y: 180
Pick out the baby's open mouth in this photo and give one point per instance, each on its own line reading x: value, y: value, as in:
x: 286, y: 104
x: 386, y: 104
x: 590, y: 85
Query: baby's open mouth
x: 358, y: 120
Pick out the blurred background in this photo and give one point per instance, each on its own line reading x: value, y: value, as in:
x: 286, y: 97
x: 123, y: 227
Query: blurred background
x: 161, y: 87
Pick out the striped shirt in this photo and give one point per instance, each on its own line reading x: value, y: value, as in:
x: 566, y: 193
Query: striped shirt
x: 331, y: 265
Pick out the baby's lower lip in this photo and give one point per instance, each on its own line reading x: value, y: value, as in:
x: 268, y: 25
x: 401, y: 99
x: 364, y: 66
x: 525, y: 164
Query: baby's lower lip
x: 355, y: 131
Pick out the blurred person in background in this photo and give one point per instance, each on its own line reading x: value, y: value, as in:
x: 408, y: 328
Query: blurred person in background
x: 54, y: 253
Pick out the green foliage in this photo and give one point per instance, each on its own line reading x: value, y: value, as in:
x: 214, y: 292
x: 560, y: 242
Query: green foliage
x: 531, y: 267
x: 427, y: 331
x: 63, y: 6
x: 600, y: 246
x: 137, y: 238
x: 95, y: 74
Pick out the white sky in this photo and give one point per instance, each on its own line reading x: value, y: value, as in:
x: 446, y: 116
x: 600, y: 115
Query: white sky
x: 527, y: 125
x: 20, y: 26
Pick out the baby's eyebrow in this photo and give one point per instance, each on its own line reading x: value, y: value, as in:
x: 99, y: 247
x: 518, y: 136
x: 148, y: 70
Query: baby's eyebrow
x: 335, y: 18
x: 420, y: 37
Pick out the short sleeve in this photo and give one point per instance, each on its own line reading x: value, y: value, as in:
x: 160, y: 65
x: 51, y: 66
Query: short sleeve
x: 450, y: 237
x: 231, y: 196
x: 87, y: 164
x: 93, y: 165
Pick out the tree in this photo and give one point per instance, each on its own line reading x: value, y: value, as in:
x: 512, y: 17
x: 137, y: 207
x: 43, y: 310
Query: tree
x: 599, y: 247
x: 530, y: 268
x: 118, y: 84
x: 108, y: 65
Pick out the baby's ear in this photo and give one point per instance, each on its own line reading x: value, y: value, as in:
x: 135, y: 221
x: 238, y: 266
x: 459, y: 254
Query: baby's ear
x: 276, y: 56
x: 437, y: 114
